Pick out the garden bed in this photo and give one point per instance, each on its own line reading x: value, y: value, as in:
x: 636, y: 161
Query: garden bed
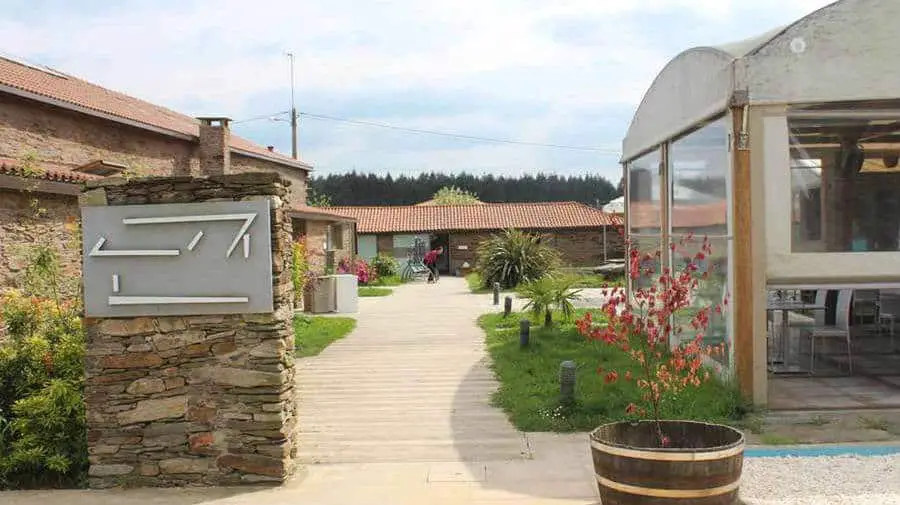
x: 529, y: 380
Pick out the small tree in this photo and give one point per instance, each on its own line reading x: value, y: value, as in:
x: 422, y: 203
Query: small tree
x: 452, y: 195
x: 315, y: 198
x: 646, y: 326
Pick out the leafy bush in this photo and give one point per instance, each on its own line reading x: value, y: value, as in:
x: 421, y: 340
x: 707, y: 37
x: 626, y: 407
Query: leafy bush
x: 357, y: 266
x: 42, y: 417
x: 385, y: 266
x: 548, y: 294
x: 514, y: 257
x: 300, y: 266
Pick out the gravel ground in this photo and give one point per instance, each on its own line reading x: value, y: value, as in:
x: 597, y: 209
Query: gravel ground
x: 839, y: 480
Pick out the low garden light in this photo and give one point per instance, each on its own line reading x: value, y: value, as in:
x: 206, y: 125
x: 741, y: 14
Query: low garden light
x: 507, y: 306
x: 496, y: 293
x: 524, y: 332
x: 567, y: 382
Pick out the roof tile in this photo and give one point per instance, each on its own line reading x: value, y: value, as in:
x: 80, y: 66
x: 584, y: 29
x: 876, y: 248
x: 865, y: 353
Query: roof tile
x: 490, y: 216
x: 45, y: 172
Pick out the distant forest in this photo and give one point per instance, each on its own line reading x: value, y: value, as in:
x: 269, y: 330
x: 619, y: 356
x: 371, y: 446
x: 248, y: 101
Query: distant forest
x: 370, y: 189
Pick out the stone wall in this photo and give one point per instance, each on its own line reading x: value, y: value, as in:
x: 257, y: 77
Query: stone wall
x: 31, y: 218
x: 316, y: 233
x: 64, y: 139
x: 194, y: 400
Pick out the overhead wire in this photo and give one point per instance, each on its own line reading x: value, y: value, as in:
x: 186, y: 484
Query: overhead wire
x: 420, y: 131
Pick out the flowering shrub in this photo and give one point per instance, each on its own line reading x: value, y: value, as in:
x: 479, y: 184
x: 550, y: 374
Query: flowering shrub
x: 358, y: 266
x: 647, y: 330
x: 42, y: 416
x: 385, y: 266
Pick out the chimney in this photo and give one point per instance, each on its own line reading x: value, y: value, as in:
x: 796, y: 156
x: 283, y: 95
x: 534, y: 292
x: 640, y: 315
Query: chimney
x: 215, y: 145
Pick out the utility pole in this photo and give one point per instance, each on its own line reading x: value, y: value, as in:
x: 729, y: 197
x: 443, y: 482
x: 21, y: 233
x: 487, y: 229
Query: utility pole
x: 293, y: 111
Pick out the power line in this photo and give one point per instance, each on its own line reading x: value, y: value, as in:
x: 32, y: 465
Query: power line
x: 420, y: 131
x: 453, y: 135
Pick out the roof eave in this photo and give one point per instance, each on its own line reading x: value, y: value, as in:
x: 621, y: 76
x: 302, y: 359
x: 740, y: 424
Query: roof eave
x: 288, y: 163
x: 20, y: 183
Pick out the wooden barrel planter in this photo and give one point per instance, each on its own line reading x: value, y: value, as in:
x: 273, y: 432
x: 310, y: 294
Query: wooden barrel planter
x: 702, y: 465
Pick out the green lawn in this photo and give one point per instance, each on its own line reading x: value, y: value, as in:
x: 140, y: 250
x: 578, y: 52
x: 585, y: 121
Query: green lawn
x: 312, y: 334
x: 529, y: 381
x: 369, y: 291
x: 588, y: 280
x: 391, y: 280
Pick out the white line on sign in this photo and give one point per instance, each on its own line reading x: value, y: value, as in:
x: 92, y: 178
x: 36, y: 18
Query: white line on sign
x: 194, y: 240
x: 247, y: 245
x: 171, y: 300
x: 134, y: 252
x: 115, y: 283
x: 246, y: 217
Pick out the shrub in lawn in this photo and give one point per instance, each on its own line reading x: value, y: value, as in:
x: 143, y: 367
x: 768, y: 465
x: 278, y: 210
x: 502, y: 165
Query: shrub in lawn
x: 364, y: 273
x: 548, y: 294
x: 642, y: 328
x: 42, y: 418
x: 514, y: 257
x: 385, y: 266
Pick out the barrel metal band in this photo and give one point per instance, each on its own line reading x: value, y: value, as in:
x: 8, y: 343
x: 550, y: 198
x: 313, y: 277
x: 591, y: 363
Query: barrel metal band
x: 667, y: 493
x: 668, y: 456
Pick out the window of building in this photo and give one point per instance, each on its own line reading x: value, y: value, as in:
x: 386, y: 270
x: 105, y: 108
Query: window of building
x: 845, y: 178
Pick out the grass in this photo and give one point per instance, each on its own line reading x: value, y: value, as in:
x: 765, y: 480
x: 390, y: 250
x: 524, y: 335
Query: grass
x: 312, y: 334
x: 776, y: 439
x: 529, y: 381
x: 589, y: 281
x: 874, y: 423
x: 391, y: 280
x: 369, y: 291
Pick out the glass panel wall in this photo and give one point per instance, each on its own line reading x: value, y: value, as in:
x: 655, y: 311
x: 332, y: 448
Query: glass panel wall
x: 845, y: 179
x: 700, y: 195
x: 645, y: 211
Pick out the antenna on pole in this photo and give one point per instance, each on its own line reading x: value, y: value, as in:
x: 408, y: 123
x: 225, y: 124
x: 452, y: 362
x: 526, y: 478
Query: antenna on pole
x: 293, y: 111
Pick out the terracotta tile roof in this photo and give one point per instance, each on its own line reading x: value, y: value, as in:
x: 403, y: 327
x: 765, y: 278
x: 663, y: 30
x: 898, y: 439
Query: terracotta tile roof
x: 68, y: 90
x: 646, y: 215
x: 489, y: 216
x: 47, y: 172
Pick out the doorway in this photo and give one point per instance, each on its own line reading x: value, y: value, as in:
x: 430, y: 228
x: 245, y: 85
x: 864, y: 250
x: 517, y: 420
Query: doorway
x: 442, y: 240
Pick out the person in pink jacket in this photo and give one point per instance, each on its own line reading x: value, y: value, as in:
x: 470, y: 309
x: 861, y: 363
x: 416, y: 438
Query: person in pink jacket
x: 431, y: 262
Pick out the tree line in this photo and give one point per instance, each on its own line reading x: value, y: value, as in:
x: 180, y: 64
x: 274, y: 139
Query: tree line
x: 370, y: 189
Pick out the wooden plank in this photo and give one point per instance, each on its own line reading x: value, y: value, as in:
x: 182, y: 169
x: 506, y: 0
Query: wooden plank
x: 742, y: 292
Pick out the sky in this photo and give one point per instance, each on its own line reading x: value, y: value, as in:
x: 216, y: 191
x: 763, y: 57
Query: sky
x: 559, y: 72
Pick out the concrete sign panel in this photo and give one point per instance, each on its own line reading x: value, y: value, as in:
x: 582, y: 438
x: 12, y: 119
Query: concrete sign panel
x: 177, y: 259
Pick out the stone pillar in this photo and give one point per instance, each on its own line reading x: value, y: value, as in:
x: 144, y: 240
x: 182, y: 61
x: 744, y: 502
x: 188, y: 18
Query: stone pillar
x: 215, y: 146
x: 194, y: 400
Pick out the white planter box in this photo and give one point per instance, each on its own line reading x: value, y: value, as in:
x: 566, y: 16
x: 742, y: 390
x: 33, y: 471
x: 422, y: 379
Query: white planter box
x: 322, y: 297
x: 346, y: 294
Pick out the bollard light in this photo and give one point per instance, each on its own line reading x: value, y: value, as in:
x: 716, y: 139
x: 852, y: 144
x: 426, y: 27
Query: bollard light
x: 524, y: 332
x: 496, y: 293
x: 507, y: 306
x: 567, y: 381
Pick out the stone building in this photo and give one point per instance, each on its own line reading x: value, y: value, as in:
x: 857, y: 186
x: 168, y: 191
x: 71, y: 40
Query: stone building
x: 58, y: 131
x: 584, y: 235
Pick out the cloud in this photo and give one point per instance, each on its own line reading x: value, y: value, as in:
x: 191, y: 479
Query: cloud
x: 557, y: 72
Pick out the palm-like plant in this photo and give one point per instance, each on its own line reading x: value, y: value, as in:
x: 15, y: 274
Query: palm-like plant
x: 514, y: 257
x: 548, y: 293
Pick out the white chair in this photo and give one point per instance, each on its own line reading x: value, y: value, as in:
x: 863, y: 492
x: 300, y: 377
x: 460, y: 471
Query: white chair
x: 865, y: 306
x: 840, y: 329
x: 888, y: 310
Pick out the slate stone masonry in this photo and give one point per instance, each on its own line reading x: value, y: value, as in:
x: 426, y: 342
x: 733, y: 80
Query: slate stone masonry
x: 194, y: 400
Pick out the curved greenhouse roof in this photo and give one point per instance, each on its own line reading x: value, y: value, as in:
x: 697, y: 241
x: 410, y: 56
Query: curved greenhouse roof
x: 842, y: 52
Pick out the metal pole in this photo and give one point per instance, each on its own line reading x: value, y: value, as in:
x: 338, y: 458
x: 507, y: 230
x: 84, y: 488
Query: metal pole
x: 293, y: 112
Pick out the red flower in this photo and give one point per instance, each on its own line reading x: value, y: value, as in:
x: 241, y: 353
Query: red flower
x: 611, y: 377
x: 666, y: 441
